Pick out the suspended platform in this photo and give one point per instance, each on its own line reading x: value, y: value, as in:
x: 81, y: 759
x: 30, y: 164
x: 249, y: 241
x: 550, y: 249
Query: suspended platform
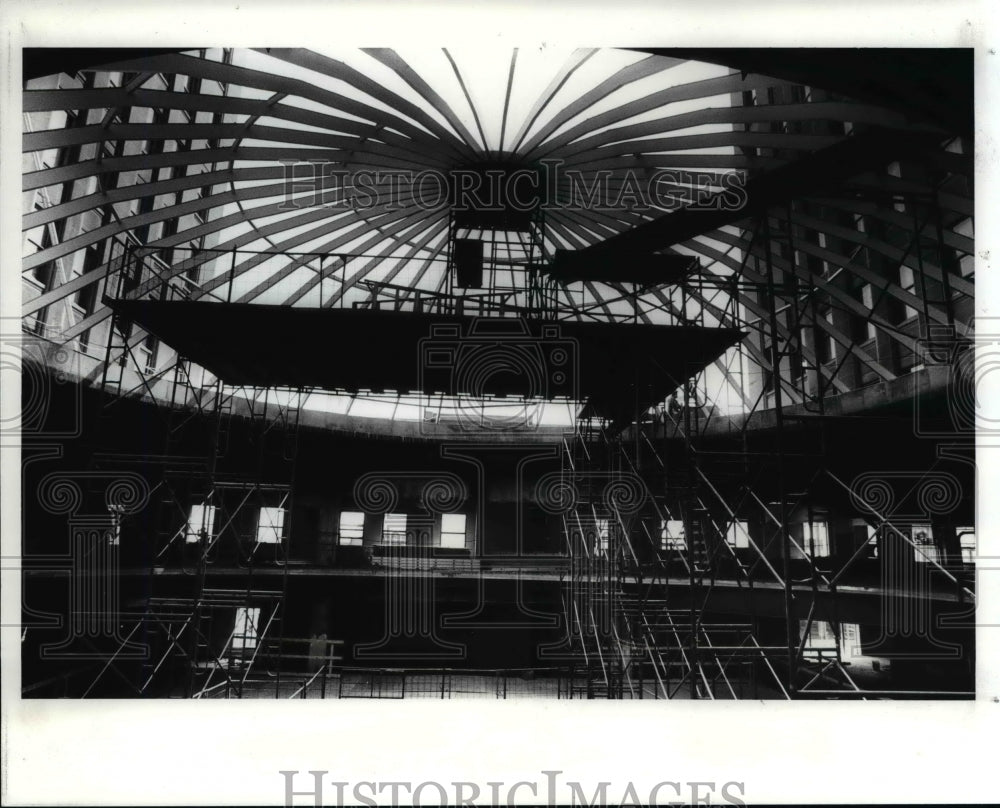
x: 378, y: 350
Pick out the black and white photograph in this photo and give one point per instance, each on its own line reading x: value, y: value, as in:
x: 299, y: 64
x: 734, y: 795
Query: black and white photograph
x: 383, y: 376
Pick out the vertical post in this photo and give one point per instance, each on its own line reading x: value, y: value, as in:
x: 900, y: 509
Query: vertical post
x: 795, y: 327
x: 945, y: 270
x: 921, y: 290
x: 126, y: 262
x: 232, y: 277
x: 112, y: 328
x: 790, y: 627
x: 449, y: 292
x: 343, y: 281
x: 164, y: 285
x: 195, y: 268
x: 694, y: 536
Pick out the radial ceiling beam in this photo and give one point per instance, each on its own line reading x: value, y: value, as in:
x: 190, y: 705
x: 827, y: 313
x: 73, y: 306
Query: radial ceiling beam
x: 239, y: 76
x: 839, y: 111
x: 645, y: 270
x: 38, y: 62
x: 730, y: 138
x: 197, y: 157
x: 815, y: 173
x: 622, y: 78
x: 933, y: 84
x: 468, y: 99
x: 706, y: 88
x: 437, y: 228
x: 401, y: 68
x: 783, y: 332
x: 393, y: 222
x: 506, y: 99
x: 837, y: 295
x: 114, y: 97
x: 578, y: 58
x: 890, y: 216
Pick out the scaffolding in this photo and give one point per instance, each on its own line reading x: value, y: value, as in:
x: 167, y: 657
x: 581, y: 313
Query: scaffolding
x: 654, y: 532
x: 213, y: 553
x: 713, y: 494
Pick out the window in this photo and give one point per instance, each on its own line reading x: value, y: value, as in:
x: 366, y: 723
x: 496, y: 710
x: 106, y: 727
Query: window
x: 147, y: 354
x: 83, y: 305
x: 820, y: 634
x: 850, y: 642
x: 602, y: 537
x: 738, y: 535
x: 270, y: 525
x: 895, y: 170
x: 868, y: 300
x: 826, y: 346
x: 41, y: 278
x: 967, y: 541
x: 201, y: 522
x: 967, y: 262
x: 873, y: 540
x: 816, y: 265
x: 394, y: 529
x: 35, y: 323
x: 672, y: 534
x: 924, y: 549
x: 816, y: 539
x: 352, y: 528
x: 245, y: 628
x: 908, y: 284
x: 453, y: 530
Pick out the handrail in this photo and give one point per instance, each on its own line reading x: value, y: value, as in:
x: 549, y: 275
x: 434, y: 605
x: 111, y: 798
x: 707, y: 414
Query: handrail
x: 625, y: 665
x: 569, y: 455
x: 218, y: 666
x: 624, y: 530
x: 656, y: 673
x: 791, y: 538
x: 885, y: 521
x: 173, y: 642
x: 312, y: 679
x: 600, y: 653
x: 753, y: 544
x: 583, y: 642
x: 257, y: 645
x: 770, y: 667
x: 722, y: 668
x: 112, y: 659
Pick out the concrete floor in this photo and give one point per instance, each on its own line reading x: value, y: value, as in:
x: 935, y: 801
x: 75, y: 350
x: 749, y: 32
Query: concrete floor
x: 457, y: 686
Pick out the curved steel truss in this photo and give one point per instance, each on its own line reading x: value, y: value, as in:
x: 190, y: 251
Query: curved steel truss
x: 195, y: 151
